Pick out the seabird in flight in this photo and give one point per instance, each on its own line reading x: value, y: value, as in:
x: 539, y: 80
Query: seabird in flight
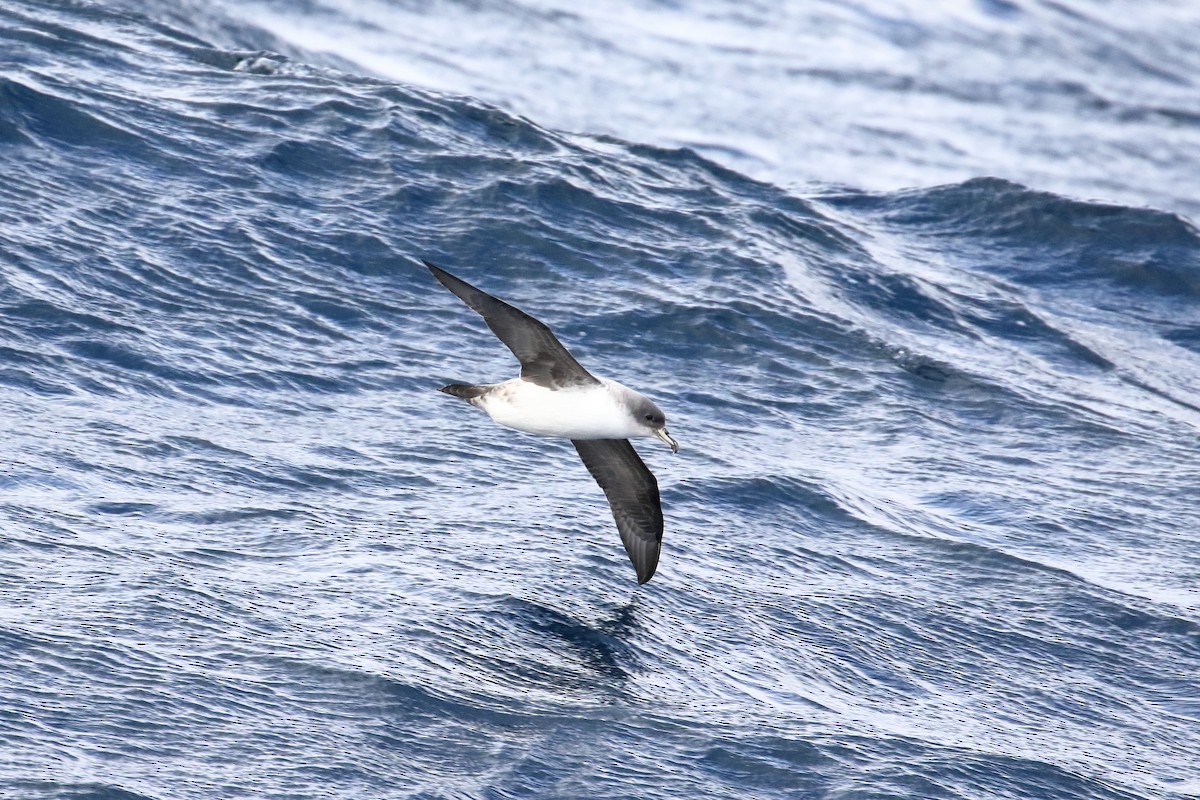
x: 555, y: 396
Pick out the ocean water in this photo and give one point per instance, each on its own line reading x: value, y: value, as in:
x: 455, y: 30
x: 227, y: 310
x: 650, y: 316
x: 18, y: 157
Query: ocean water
x: 932, y: 532
x: 1088, y: 98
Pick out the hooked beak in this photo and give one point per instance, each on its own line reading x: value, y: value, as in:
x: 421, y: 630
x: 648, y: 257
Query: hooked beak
x: 661, y: 433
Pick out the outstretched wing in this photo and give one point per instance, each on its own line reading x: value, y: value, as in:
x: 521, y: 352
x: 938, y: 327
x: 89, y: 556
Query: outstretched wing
x: 632, y: 493
x: 544, y: 360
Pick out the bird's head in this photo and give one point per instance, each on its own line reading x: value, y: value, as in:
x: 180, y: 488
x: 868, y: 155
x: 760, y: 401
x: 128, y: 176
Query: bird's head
x: 654, y: 421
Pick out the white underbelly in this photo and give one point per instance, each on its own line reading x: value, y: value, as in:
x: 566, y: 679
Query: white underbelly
x: 590, y: 412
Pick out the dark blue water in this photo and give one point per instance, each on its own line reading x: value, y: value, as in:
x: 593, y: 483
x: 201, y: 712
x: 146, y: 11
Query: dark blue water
x: 932, y: 532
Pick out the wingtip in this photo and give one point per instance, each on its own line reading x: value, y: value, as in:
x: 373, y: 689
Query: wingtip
x: 645, y: 566
x: 451, y: 282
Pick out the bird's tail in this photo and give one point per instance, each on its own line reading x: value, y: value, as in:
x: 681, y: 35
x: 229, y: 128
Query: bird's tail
x: 465, y: 391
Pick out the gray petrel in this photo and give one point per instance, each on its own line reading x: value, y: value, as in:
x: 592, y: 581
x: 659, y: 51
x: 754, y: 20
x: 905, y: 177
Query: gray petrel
x: 556, y: 396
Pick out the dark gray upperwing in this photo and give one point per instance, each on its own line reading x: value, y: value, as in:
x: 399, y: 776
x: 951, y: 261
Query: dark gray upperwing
x: 544, y: 360
x: 632, y: 492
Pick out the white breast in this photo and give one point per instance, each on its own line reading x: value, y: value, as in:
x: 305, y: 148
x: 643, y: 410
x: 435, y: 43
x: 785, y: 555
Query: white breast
x: 591, y: 412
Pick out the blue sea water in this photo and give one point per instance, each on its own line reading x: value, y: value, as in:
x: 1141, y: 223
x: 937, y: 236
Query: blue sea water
x: 933, y: 529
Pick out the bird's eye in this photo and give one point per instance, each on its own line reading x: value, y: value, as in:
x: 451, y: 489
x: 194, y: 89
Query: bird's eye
x: 650, y: 417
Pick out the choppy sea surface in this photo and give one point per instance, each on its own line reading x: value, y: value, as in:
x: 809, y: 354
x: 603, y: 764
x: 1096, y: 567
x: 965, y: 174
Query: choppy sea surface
x: 933, y: 530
